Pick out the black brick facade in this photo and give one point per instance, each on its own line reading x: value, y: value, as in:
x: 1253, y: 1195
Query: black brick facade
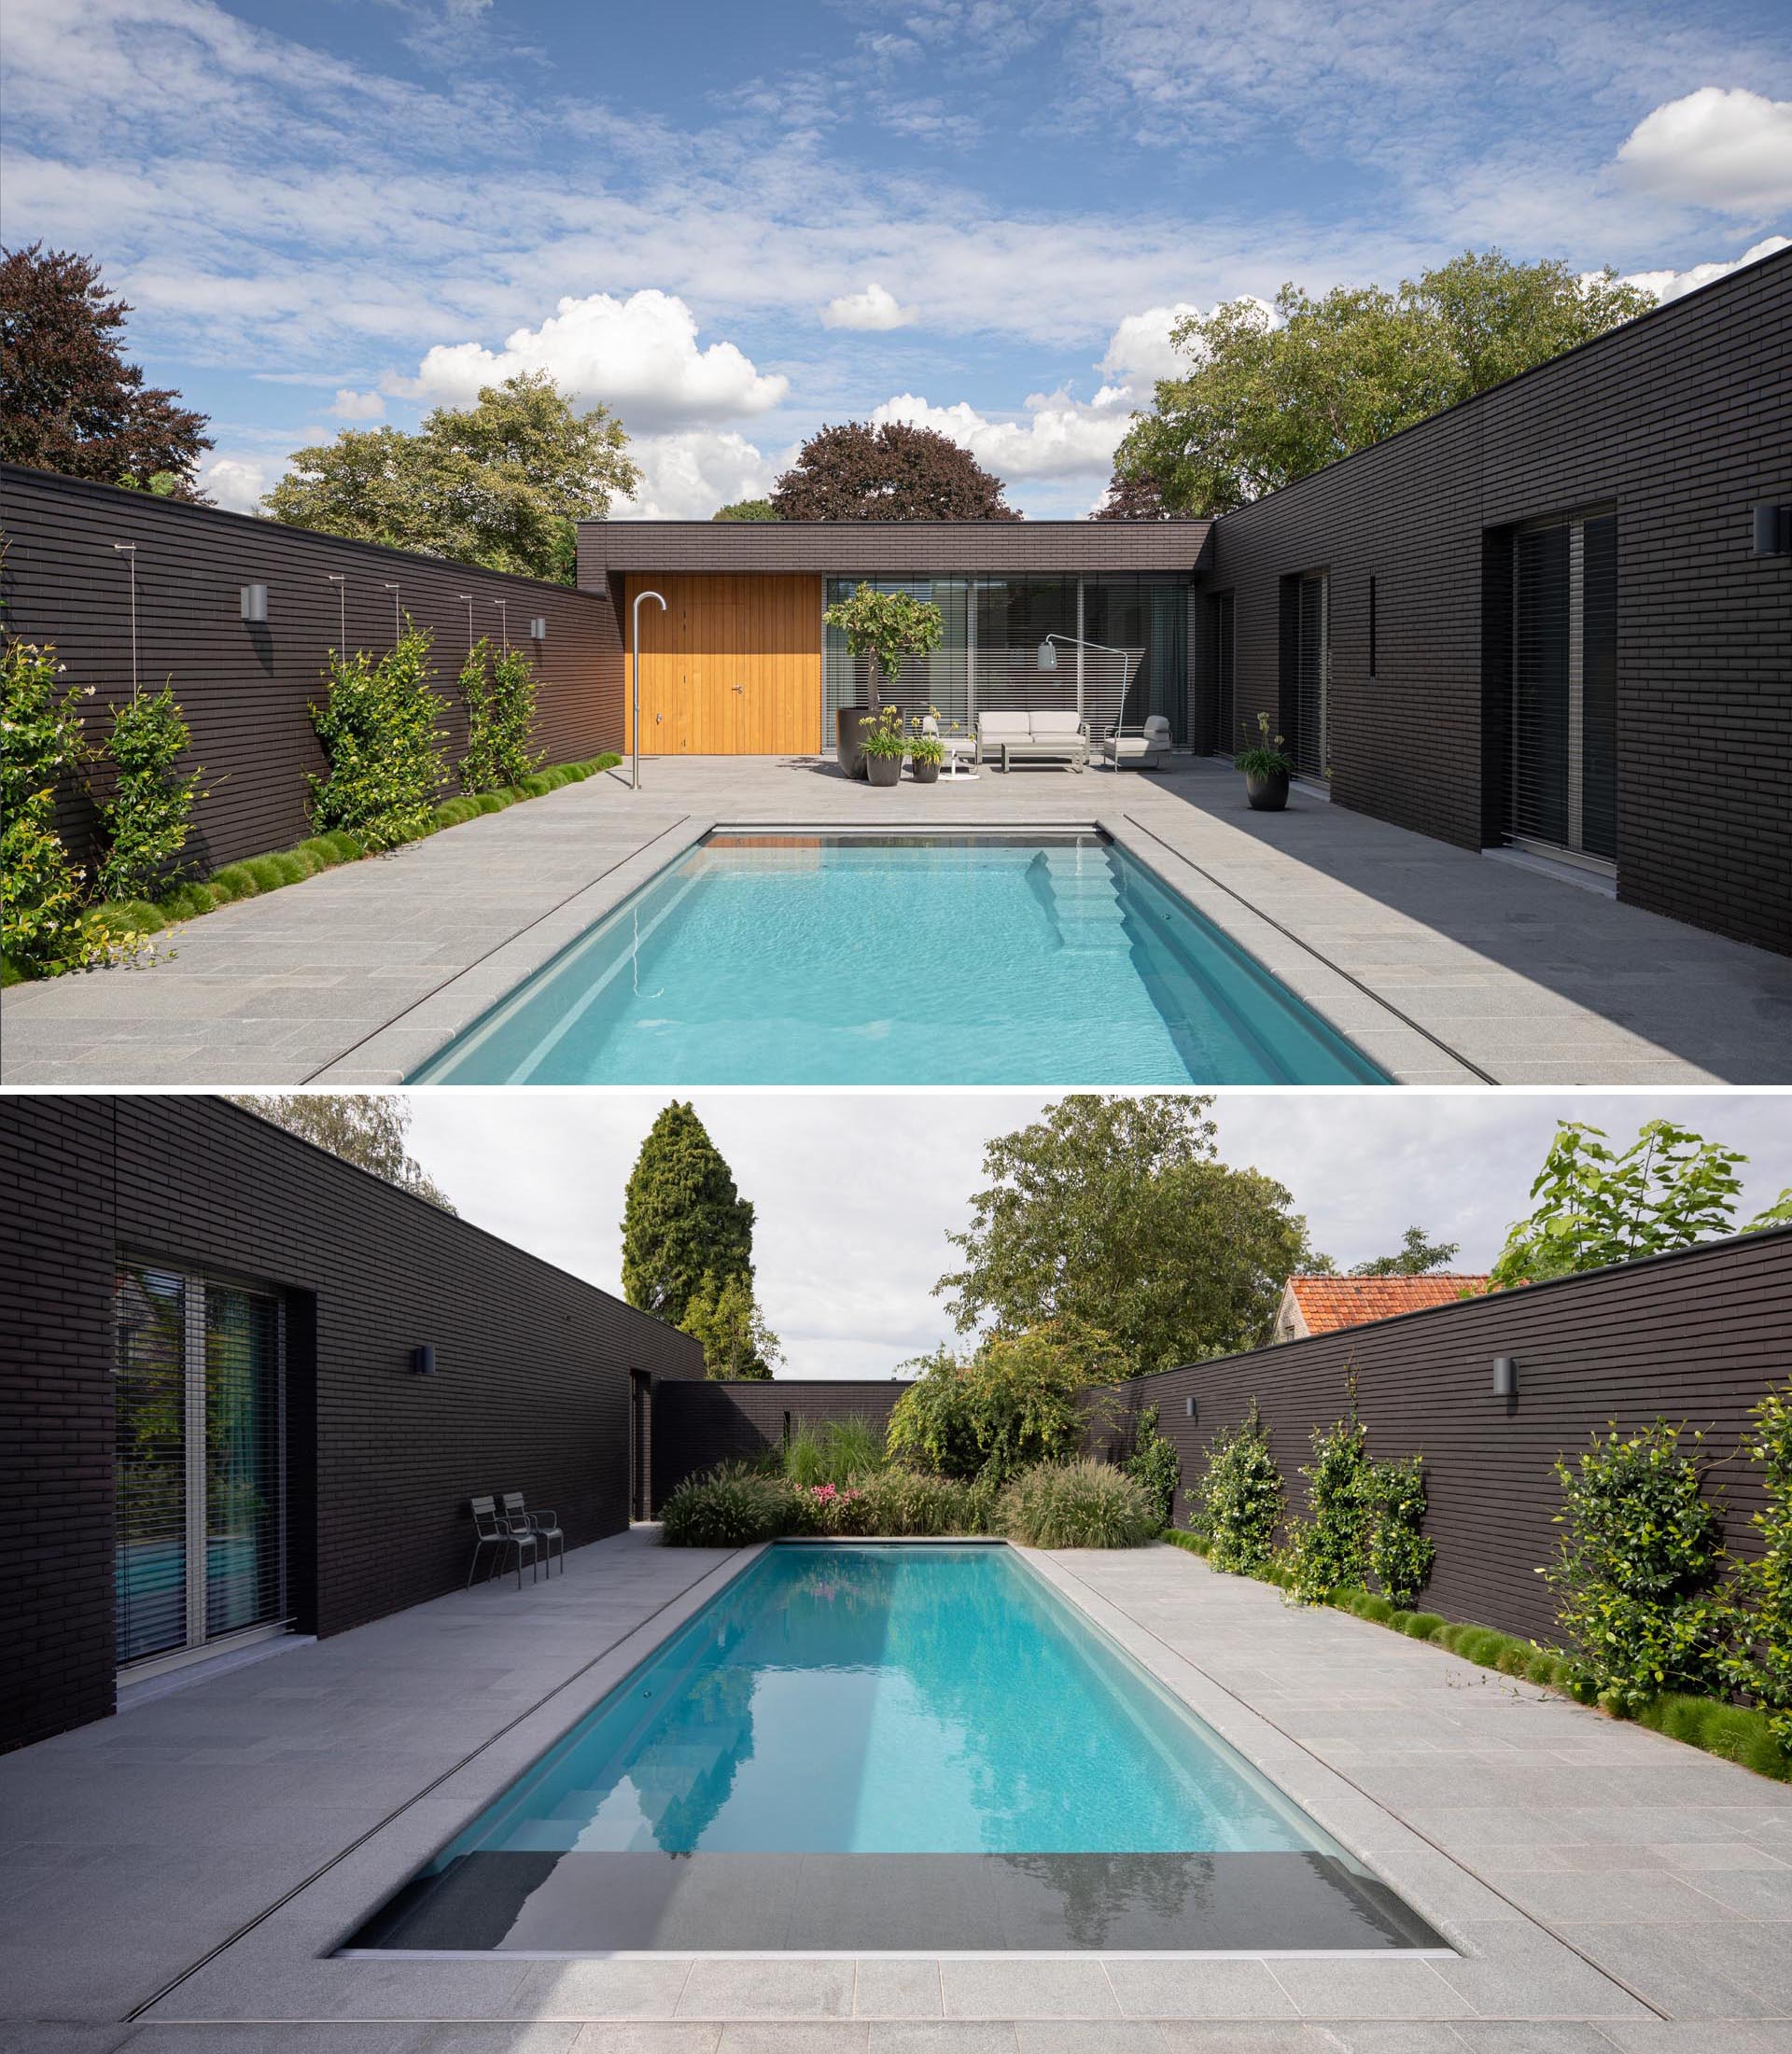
x: 530, y: 1391
x: 698, y: 1425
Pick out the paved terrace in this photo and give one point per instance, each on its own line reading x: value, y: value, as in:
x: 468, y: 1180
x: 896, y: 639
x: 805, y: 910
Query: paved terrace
x: 1446, y: 966
x: 175, y: 1879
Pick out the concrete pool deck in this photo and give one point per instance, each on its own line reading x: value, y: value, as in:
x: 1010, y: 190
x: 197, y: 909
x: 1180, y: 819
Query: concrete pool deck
x: 1445, y: 966
x: 175, y: 1877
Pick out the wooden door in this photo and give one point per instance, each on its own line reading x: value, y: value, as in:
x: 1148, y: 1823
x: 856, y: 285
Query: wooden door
x: 733, y: 668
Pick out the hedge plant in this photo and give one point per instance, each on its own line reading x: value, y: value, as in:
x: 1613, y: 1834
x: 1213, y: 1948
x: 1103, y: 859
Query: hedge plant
x: 378, y: 728
x: 497, y: 688
x: 1330, y: 1547
x: 1239, y: 1497
x: 1636, y: 1572
x: 1760, y: 1664
x: 1400, y: 1555
x: 144, y: 819
x: 1154, y: 1464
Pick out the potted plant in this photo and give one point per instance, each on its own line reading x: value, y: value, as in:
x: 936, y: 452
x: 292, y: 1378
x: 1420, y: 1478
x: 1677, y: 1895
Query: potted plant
x: 884, y: 744
x: 925, y: 752
x: 888, y: 627
x: 1266, y: 770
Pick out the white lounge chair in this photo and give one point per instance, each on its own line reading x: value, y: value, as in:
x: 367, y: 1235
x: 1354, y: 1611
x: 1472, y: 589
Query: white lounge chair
x: 959, y: 758
x: 1050, y: 736
x: 1138, y: 751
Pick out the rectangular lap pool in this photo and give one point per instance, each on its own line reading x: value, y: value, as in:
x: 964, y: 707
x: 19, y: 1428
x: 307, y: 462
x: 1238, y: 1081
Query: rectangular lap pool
x: 892, y: 1747
x: 798, y: 959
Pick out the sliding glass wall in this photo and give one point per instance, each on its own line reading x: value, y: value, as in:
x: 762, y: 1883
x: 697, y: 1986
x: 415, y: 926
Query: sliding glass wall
x: 994, y: 630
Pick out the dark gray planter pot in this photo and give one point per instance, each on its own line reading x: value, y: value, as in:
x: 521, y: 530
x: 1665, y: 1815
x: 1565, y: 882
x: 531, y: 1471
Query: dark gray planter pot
x: 1267, y: 794
x: 884, y: 769
x: 925, y: 773
x: 846, y: 744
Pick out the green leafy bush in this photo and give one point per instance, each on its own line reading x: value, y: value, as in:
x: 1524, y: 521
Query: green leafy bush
x: 1078, y: 1504
x: 378, y: 730
x: 1153, y: 1462
x: 1331, y: 1546
x: 44, y: 929
x: 731, y: 1508
x: 1760, y: 1663
x: 143, y: 819
x: 1400, y: 1557
x: 912, y: 1503
x: 1240, y: 1497
x: 1635, y: 1570
x: 497, y: 689
x: 1014, y: 1404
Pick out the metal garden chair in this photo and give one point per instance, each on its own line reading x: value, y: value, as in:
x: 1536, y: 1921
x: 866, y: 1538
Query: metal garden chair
x: 492, y: 1530
x: 543, y: 1525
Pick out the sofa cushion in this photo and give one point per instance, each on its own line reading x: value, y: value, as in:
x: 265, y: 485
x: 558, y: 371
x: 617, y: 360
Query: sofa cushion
x: 995, y: 726
x: 1055, y: 723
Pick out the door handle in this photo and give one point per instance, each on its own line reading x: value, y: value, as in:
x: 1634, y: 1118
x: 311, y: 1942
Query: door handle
x: 740, y: 687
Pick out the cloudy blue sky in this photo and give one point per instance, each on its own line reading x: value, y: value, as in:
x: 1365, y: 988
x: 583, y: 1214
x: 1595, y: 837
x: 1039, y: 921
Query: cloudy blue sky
x: 857, y: 1191
x: 734, y: 222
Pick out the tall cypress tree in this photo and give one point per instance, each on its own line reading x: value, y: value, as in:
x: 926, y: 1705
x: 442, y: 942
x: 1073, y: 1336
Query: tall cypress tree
x: 684, y: 1224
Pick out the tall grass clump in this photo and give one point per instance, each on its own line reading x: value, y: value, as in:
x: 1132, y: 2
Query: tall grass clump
x: 1078, y: 1504
x: 731, y: 1506
x: 840, y: 1453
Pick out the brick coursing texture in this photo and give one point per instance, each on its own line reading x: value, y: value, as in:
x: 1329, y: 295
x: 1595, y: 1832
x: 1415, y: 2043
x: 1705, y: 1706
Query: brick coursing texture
x: 530, y: 1391
x: 698, y: 1425
x: 246, y: 690
x: 1681, y: 421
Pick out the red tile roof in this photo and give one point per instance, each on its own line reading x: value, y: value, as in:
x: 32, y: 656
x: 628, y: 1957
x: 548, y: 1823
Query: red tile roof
x: 1328, y: 1303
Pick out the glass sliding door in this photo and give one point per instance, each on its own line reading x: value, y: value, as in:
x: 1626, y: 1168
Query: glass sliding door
x: 1148, y: 618
x: 1221, y: 647
x: 1564, y: 687
x: 938, y: 679
x: 199, y: 1548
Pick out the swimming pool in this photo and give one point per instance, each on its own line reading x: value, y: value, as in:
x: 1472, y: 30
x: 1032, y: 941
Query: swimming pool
x: 891, y: 1747
x: 795, y: 958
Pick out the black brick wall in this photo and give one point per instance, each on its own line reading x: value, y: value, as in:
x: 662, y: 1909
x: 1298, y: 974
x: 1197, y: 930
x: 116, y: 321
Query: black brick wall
x: 530, y: 1391
x: 245, y: 690
x: 698, y: 1425
x: 1683, y: 421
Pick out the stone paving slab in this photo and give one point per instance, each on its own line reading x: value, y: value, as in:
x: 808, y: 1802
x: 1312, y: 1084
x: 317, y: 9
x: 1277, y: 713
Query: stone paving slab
x: 358, y: 976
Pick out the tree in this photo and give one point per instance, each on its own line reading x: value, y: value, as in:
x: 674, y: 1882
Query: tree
x: 1417, y: 1257
x: 369, y: 1129
x: 1670, y: 1189
x: 724, y: 1315
x: 502, y: 483
x: 746, y: 510
x: 686, y: 1230
x: 1111, y: 1212
x: 890, y: 472
x: 68, y: 400
x: 1138, y: 497
x: 888, y: 627
x: 1013, y: 1403
x: 1270, y: 397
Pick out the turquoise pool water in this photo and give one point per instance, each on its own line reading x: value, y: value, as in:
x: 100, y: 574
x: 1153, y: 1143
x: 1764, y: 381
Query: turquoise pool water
x: 960, y: 959
x: 871, y: 1745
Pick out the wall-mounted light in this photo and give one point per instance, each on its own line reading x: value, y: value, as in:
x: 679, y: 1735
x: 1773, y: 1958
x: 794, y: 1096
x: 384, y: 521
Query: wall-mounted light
x: 1505, y: 1375
x: 255, y: 602
x: 1188, y: 1408
x: 1772, y: 531
x: 539, y: 628
x: 423, y: 1358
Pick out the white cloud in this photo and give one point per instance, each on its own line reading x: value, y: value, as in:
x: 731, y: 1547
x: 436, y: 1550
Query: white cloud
x: 1140, y: 351
x: 350, y: 405
x: 638, y: 357
x: 235, y: 484
x: 1672, y: 285
x: 1059, y: 439
x: 1724, y: 148
x: 687, y: 476
x: 874, y: 308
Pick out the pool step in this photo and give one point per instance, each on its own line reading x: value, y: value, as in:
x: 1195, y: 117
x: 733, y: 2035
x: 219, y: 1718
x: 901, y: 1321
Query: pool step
x: 1081, y: 901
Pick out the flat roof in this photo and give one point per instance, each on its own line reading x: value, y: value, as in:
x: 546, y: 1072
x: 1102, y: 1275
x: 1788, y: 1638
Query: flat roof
x: 887, y: 548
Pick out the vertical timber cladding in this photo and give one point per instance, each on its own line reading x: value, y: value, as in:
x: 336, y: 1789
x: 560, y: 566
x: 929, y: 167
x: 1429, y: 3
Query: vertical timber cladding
x: 733, y: 668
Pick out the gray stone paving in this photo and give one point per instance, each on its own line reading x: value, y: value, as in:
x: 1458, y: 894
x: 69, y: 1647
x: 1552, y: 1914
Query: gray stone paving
x: 358, y: 976
x: 1603, y: 1887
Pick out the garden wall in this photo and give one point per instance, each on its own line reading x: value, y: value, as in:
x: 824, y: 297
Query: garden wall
x: 246, y: 687
x: 1681, y: 422
x: 1699, y: 1336
x: 698, y: 1425
x: 530, y: 1391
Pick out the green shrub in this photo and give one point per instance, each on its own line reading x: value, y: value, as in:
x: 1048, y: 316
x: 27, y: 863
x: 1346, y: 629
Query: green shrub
x: 1196, y: 1543
x: 731, y: 1508
x: 1400, y: 1555
x: 1239, y: 1497
x: 121, y: 919
x: 187, y: 902
x: 143, y: 819
x: 912, y: 1503
x: 1635, y: 1570
x: 378, y: 730
x: 1078, y: 1504
x: 1372, y: 1607
x: 497, y: 689
x: 1736, y: 1732
x: 44, y: 929
x: 1012, y: 1404
x: 1760, y: 1663
x: 1331, y: 1546
x: 1422, y: 1625
x: 1153, y: 1462
x: 233, y: 881
x: 842, y: 1452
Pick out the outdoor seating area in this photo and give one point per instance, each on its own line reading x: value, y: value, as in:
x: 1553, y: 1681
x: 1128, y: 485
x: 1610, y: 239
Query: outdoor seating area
x: 1042, y: 737
x: 515, y: 1533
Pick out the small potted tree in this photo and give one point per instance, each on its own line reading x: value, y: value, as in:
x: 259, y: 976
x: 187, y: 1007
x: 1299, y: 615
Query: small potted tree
x: 883, y: 744
x: 888, y: 627
x: 1266, y: 770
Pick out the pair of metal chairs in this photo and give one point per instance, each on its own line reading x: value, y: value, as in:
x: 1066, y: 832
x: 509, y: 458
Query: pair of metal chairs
x: 507, y: 1526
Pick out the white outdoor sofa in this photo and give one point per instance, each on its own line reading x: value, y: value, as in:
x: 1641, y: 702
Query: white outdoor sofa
x: 1040, y: 737
x: 1138, y: 751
